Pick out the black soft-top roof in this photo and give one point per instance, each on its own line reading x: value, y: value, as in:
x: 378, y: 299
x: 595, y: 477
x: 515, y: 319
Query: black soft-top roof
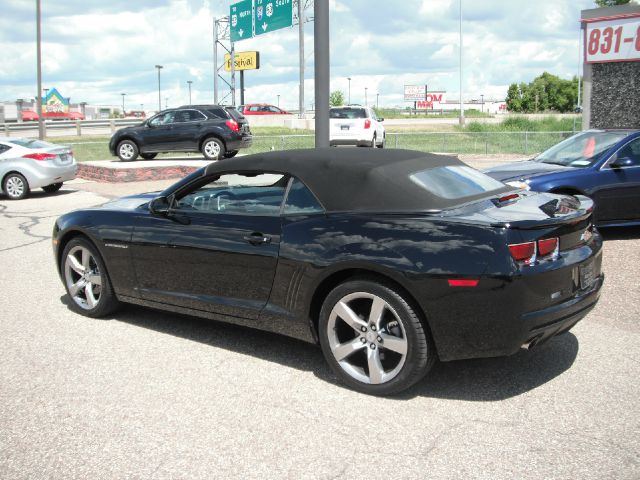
x: 354, y: 179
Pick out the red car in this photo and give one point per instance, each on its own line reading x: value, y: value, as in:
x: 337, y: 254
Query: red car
x: 261, y: 109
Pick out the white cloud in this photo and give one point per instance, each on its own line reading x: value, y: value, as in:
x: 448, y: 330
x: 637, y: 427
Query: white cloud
x: 93, y: 51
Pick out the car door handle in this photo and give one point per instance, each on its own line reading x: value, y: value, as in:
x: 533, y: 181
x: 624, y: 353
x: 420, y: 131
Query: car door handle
x: 257, y: 239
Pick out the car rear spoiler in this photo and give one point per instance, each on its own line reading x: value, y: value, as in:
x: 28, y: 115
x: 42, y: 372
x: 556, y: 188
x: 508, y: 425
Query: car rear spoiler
x: 570, y: 209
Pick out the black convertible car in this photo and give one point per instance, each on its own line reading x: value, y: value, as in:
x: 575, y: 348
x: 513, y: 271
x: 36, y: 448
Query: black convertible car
x: 389, y: 259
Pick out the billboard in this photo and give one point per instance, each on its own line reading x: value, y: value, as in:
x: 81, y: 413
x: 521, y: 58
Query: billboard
x: 612, y: 40
x: 414, y: 93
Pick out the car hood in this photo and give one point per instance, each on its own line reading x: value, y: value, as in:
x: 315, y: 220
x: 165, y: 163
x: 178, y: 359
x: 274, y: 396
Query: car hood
x: 523, y: 170
x: 130, y: 202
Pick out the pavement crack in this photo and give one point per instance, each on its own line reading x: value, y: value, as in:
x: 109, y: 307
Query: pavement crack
x: 26, y: 227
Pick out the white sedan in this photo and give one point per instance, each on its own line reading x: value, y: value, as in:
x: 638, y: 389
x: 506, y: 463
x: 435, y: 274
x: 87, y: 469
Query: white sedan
x: 26, y: 164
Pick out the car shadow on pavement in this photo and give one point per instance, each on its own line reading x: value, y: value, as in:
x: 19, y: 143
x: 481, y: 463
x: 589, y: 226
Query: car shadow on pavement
x: 620, y: 233
x: 483, y: 380
x: 40, y: 194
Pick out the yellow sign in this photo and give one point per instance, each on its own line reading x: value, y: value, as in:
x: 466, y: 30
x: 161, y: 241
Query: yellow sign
x: 243, y: 61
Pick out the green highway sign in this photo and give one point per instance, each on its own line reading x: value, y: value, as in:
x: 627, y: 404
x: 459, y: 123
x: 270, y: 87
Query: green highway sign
x: 270, y: 15
x: 241, y: 20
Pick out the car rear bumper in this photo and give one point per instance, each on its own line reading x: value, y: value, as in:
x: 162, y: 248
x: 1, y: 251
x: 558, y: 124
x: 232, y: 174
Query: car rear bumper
x: 335, y: 142
x: 43, y: 174
x: 504, y: 314
x: 239, y: 142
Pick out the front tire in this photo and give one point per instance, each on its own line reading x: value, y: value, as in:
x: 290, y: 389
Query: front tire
x: 127, y: 151
x: 213, y: 149
x: 54, y: 187
x: 86, y: 279
x: 15, y: 186
x: 373, y: 339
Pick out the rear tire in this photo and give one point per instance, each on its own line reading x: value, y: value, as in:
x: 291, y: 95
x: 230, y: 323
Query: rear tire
x: 213, y: 149
x: 15, y: 186
x: 127, y: 151
x: 373, y: 141
x: 383, y: 143
x: 148, y: 156
x: 86, y: 279
x: 54, y: 187
x: 373, y: 339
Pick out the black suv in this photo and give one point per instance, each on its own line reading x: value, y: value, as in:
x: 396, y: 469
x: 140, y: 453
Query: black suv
x: 216, y: 131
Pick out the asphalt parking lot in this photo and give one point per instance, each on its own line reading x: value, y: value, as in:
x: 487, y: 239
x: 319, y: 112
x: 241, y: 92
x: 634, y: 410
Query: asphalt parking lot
x: 148, y: 394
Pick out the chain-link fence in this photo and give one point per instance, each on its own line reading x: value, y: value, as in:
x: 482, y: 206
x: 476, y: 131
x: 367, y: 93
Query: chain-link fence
x: 521, y: 143
x: 483, y: 143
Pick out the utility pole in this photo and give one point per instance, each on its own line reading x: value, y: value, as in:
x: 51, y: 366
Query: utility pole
x: 366, y: 100
x: 123, y: 114
x: 39, y: 72
x: 159, y: 67
x: 322, y: 70
x: 349, y: 97
x: 482, y: 102
x: 278, y: 100
x: 189, y: 82
x: 215, y: 61
x: 301, y: 59
x: 461, y: 104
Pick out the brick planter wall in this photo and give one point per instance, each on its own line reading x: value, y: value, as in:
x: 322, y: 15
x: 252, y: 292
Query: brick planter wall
x: 115, y: 175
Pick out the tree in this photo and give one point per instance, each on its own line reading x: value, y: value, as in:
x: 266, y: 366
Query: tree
x: 610, y: 3
x: 545, y: 92
x: 336, y: 98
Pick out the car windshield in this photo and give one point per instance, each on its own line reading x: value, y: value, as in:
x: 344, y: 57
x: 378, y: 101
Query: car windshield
x: 455, y: 182
x: 347, y: 113
x: 31, y: 143
x: 581, y: 150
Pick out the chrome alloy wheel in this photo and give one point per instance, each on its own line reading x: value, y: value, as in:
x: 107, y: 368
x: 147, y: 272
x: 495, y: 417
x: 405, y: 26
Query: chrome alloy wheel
x: 127, y: 151
x: 83, y: 277
x: 367, y: 338
x: 212, y: 149
x: 15, y: 186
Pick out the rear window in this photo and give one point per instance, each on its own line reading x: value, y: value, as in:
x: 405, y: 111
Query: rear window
x: 347, y: 113
x: 31, y: 143
x: 235, y: 114
x: 455, y: 182
x: 218, y: 112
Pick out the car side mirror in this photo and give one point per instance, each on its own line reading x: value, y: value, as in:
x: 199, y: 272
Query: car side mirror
x: 159, y: 206
x: 621, y: 162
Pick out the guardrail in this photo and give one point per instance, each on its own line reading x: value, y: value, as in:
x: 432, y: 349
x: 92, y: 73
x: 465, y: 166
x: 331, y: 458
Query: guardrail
x: 479, y: 143
x: 111, y: 124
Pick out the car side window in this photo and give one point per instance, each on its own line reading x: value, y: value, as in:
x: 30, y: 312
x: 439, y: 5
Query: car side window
x: 632, y: 152
x: 237, y: 194
x: 183, y: 116
x: 300, y: 200
x: 163, y: 119
x: 4, y: 148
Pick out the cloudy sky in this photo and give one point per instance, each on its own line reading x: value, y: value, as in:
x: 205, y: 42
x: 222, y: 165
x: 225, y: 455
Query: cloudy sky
x: 95, y: 50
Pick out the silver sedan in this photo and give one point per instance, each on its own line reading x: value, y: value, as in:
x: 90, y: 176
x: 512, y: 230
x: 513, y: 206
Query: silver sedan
x: 26, y: 164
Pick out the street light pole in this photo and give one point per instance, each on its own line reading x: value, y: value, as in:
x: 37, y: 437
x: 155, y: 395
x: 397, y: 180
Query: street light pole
x: 278, y: 100
x: 366, y: 100
x: 349, y: 97
x: 482, y: 102
x: 159, y: 67
x: 461, y: 104
x: 377, y: 101
x: 189, y: 82
x: 39, y: 73
x: 123, y: 94
x: 322, y: 70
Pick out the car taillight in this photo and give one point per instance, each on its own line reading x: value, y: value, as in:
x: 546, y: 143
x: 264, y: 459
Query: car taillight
x: 548, y: 246
x: 528, y: 253
x: 524, y: 252
x: 233, y: 125
x: 40, y: 156
x: 367, y: 123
